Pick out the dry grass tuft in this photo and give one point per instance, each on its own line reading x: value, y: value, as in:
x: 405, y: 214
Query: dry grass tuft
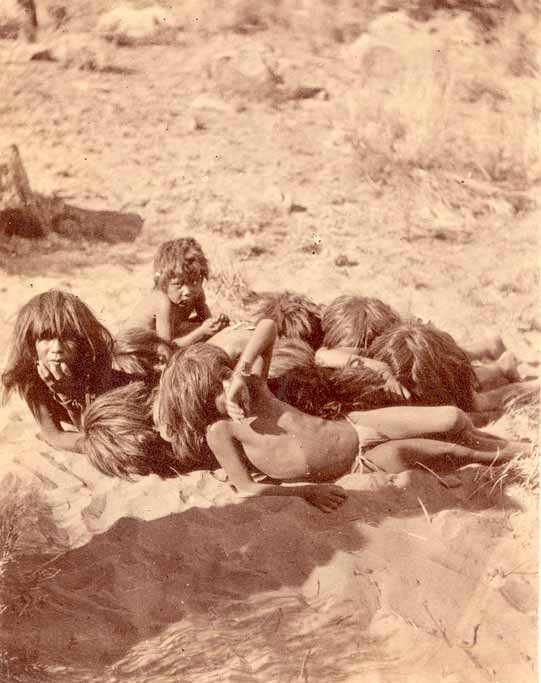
x: 522, y: 470
x: 227, y: 282
x: 24, y: 571
x: 437, y: 108
x: 521, y: 419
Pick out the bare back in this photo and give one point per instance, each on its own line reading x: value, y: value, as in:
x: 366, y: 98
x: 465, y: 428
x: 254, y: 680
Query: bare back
x: 289, y: 445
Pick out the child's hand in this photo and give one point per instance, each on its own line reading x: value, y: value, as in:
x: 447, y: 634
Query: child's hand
x: 237, y: 397
x: 326, y: 497
x: 57, y: 376
x: 393, y: 387
x: 213, y: 325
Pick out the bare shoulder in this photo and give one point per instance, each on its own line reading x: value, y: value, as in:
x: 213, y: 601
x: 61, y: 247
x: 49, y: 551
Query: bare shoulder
x: 217, y: 431
x: 160, y: 300
x: 228, y: 429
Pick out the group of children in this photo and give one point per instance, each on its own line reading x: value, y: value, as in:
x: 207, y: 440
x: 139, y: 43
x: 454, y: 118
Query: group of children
x: 285, y: 405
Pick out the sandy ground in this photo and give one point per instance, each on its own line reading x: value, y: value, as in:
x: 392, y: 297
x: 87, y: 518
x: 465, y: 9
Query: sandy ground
x: 416, y: 578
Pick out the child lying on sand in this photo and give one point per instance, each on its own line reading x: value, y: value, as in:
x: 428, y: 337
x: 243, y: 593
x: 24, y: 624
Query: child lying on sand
x: 204, y: 402
x: 60, y: 359
x: 176, y: 308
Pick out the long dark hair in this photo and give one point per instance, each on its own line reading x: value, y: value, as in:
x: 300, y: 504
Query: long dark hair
x: 56, y: 314
x: 183, y: 256
x: 429, y: 363
x: 119, y: 437
x: 296, y: 316
x: 137, y: 351
x: 355, y: 321
x: 186, y: 404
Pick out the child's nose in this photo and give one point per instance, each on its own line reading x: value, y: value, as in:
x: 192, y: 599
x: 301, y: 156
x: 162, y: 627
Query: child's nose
x: 185, y: 290
x: 56, y: 344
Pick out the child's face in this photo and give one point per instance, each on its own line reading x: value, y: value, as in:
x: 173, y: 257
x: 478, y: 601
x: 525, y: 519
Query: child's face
x: 56, y: 350
x: 183, y: 290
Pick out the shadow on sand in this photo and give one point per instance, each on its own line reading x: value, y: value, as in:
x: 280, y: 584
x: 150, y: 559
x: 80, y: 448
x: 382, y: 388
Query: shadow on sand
x: 141, y: 578
x: 74, y: 222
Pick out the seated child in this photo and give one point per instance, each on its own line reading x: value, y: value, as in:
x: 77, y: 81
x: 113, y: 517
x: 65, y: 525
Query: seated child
x: 204, y: 402
x: 176, y: 308
x: 60, y: 359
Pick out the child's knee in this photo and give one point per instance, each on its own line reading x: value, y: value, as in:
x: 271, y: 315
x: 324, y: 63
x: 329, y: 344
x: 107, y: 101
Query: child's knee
x: 390, y: 457
x: 456, y: 420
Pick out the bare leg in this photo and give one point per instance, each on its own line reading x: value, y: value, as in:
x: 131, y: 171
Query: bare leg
x: 497, y: 398
x: 407, y: 422
x: 491, y: 347
x: 405, y: 454
x: 483, y: 441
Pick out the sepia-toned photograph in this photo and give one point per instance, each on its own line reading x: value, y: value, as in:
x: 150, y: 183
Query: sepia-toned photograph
x: 269, y: 341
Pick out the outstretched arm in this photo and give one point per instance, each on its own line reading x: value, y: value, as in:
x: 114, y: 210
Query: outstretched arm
x: 255, y: 359
x: 200, y: 332
x: 340, y: 357
x: 230, y: 454
x: 259, y: 349
x: 348, y: 357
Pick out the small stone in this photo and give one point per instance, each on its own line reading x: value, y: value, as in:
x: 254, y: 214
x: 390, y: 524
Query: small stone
x: 343, y: 261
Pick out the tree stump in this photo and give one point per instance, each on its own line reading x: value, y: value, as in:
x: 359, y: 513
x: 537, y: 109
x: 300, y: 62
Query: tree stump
x: 27, y: 214
x: 19, y: 210
x: 30, y: 27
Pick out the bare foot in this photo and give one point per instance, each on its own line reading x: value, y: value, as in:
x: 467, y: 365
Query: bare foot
x: 509, y: 365
x: 490, y: 348
x: 495, y: 347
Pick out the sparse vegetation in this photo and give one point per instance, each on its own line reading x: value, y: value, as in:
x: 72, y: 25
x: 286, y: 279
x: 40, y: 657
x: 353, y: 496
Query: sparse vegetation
x: 432, y: 109
x: 26, y: 551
